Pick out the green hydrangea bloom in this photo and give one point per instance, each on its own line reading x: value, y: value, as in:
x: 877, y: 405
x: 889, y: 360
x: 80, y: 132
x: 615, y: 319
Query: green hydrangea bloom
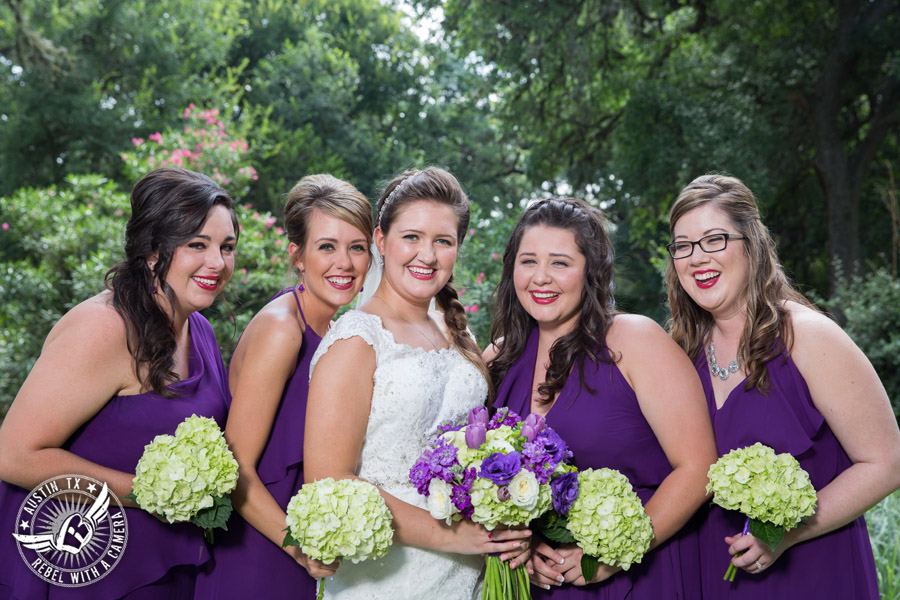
x: 178, y: 476
x: 348, y: 519
x: 763, y: 485
x: 608, y: 519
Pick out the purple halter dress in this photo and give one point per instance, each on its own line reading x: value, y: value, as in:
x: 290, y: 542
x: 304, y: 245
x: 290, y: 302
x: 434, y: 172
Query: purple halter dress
x: 836, y: 565
x: 160, y: 560
x: 607, y: 429
x: 246, y: 564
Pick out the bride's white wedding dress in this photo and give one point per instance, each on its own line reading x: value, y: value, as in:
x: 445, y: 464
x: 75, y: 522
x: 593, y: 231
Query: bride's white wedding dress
x: 414, y: 391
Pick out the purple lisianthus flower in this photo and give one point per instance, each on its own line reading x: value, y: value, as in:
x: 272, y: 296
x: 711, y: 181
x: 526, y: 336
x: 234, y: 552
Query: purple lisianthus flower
x: 553, y: 446
x: 503, y: 493
x: 420, y: 476
x: 504, y: 416
x: 476, y: 435
x: 565, y: 491
x: 501, y: 468
x: 479, y: 414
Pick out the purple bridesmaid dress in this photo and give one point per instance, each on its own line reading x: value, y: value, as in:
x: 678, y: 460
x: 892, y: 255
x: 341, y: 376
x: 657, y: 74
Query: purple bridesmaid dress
x: 246, y: 564
x: 836, y: 565
x: 604, y: 427
x: 160, y: 559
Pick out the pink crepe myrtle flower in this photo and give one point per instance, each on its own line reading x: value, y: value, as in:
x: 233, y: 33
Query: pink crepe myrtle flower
x: 155, y: 137
x: 6, y: 227
x: 270, y: 221
x: 480, y: 278
x: 495, y: 256
x: 473, y: 308
x: 137, y: 141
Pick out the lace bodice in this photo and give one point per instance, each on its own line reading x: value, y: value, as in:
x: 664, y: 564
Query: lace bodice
x: 414, y: 391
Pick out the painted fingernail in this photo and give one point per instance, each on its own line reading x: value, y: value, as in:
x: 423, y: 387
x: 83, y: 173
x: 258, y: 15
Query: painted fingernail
x: 560, y: 578
x: 560, y: 560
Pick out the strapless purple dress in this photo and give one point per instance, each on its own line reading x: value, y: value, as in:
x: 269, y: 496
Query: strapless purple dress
x: 605, y: 428
x: 836, y: 565
x: 246, y: 564
x: 160, y: 559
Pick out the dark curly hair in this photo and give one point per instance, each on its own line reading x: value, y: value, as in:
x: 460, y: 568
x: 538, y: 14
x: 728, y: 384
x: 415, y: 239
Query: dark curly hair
x: 512, y: 324
x: 169, y: 206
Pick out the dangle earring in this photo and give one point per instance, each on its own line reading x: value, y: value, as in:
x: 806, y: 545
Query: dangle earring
x: 300, y: 287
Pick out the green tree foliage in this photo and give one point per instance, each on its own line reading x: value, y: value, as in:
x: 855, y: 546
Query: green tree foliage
x: 796, y: 98
x: 57, y: 242
x: 83, y: 77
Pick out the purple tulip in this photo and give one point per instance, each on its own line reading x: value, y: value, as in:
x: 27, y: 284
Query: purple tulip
x: 479, y: 414
x: 565, y: 492
x: 501, y: 468
x: 476, y: 435
x: 536, y: 422
x: 503, y: 493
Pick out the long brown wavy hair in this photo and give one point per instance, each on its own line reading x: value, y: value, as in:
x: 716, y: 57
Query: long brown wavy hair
x: 437, y: 185
x: 767, y: 330
x: 512, y: 324
x: 169, y: 206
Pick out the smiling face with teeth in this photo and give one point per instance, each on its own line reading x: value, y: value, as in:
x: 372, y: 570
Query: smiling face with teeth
x: 419, y: 250
x: 716, y: 281
x: 549, y: 277
x: 202, y: 266
x: 334, y: 263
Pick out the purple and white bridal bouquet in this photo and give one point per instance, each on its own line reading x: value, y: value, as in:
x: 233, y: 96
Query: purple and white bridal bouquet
x: 598, y: 510
x: 493, y: 471
x: 772, y: 490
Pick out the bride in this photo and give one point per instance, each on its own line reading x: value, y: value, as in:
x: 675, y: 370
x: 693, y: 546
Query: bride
x: 383, y: 379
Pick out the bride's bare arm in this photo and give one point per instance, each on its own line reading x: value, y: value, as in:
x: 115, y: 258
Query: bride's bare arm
x: 337, y: 414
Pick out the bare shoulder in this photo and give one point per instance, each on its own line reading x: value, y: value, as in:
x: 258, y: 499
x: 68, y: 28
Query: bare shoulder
x: 633, y: 332
x: 276, y: 324
x: 94, y: 322
x: 814, y: 331
x: 490, y: 353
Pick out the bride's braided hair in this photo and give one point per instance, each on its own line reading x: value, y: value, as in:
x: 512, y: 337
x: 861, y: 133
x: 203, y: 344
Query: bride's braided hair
x: 437, y: 185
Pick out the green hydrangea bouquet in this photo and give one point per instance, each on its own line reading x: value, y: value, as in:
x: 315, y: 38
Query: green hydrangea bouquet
x: 772, y: 490
x: 331, y: 519
x: 188, y: 476
x: 598, y: 510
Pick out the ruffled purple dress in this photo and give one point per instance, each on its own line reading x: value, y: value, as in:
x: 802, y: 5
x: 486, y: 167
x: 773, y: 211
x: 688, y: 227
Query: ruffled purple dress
x: 836, y: 565
x: 246, y: 564
x: 605, y: 428
x: 160, y: 560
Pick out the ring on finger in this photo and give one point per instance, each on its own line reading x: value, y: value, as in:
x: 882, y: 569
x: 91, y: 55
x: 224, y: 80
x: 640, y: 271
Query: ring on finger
x: 759, y: 567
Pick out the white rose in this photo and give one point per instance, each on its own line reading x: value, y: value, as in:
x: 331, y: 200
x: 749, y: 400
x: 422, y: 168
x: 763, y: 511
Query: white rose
x: 497, y: 443
x: 439, y: 503
x: 457, y: 438
x: 524, y: 490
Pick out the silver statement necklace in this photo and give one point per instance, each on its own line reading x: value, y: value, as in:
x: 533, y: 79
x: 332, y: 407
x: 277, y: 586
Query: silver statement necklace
x: 717, y: 371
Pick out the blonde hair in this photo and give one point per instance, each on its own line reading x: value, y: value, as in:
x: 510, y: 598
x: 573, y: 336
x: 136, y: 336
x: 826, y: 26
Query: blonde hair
x: 767, y: 330
x: 332, y: 196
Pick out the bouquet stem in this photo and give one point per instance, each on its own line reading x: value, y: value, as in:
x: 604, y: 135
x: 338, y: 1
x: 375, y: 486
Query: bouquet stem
x: 321, y: 592
x: 501, y: 583
x: 730, y: 572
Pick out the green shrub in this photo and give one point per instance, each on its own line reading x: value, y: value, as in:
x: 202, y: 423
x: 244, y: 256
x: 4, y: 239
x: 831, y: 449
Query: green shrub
x: 871, y: 305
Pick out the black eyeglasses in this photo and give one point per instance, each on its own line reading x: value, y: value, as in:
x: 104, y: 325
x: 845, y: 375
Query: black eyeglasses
x: 711, y: 243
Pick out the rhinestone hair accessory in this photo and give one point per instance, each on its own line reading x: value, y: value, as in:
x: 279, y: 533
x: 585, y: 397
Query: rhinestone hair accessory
x: 391, y: 197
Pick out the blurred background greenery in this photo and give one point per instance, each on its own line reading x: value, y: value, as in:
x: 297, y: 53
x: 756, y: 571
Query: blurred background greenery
x: 618, y: 102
